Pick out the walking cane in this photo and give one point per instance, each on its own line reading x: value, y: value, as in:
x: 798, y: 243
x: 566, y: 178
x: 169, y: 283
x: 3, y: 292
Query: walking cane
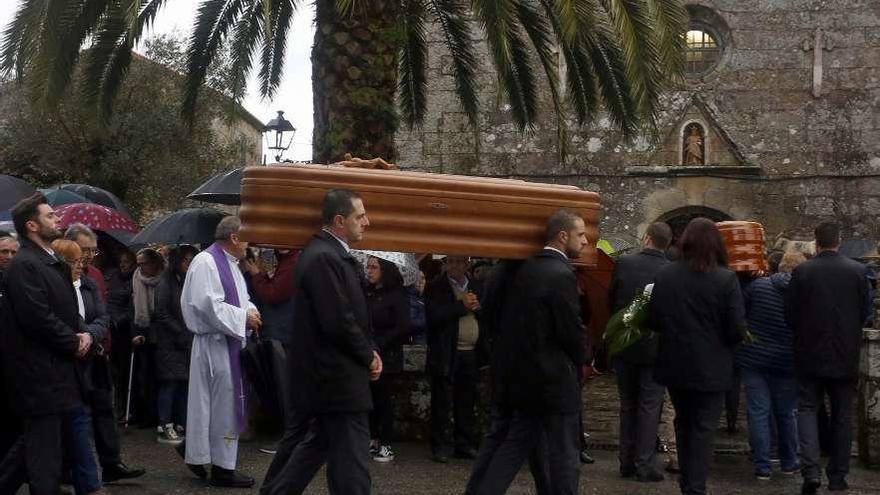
x: 128, y: 397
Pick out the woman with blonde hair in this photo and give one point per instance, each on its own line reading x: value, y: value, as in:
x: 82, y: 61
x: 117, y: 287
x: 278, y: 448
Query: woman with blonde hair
x: 94, y: 315
x: 767, y: 370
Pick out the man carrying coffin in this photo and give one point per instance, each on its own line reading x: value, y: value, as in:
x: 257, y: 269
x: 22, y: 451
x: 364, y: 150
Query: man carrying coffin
x: 217, y: 309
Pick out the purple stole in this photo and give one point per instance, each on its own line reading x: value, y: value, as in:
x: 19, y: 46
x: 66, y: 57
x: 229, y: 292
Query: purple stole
x: 230, y: 294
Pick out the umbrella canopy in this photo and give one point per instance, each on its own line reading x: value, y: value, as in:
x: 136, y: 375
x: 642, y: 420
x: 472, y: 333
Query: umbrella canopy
x: 99, y: 196
x: 188, y: 226
x: 58, y: 197
x: 406, y: 262
x: 12, y: 190
x: 224, y: 188
x: 97, y: 217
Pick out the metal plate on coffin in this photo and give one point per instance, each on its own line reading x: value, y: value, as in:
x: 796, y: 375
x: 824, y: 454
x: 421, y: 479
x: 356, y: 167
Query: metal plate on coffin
x: 745, y: 245
x: 412, y: 211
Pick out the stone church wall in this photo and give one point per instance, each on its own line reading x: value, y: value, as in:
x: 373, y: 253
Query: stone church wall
x: 783, y: 146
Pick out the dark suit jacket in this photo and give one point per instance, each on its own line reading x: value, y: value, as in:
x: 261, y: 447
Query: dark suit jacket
x: 632, y: 273
x: 41, y: 336
x: 825, y: 308
x: 701, y: 319
x: 173, y: 339
x: 442, y: 311
x: 539, y: 342
x: 331, y: 347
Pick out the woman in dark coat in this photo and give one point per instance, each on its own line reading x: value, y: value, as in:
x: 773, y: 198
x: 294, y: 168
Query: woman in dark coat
x: 173, y: 346
x: 697, y: 310
x: 388, y: 302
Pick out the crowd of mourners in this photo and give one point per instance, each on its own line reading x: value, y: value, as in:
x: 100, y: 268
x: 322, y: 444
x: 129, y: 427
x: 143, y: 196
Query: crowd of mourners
x: 167, y: 338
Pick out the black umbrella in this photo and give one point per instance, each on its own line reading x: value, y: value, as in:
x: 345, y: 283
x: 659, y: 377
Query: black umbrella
x: 12, y: 190
x: 188, y: 226
x: 264, y: 364
x: 224, y: 188
x: 98, y: 196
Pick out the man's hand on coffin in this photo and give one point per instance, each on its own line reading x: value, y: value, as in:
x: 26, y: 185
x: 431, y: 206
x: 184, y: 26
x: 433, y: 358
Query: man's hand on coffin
x: 471, y: 302
x: 251, y: 267
x: 85, y: 342
x: 254, y: 322
x: 375, y: 367
x: 139, y: 340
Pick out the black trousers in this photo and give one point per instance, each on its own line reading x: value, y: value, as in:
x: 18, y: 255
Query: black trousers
x: 731, y: 400
x: 104, y: 427
x: 341, y: 440
x: 457, y: 394
x: 36, y: 457
x: 841, y: 394
x: 499, y: 427
x: 382, y: 415
x: 641, y: 399
x: 696, y: 418
x: 523, y: 437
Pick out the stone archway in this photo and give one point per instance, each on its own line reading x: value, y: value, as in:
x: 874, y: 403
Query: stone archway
x: 680, y: 217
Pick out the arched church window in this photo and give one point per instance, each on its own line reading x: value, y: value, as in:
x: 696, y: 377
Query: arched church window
x: 693, y: 145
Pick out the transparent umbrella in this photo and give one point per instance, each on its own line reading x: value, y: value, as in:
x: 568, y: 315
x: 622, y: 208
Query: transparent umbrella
x: 406, y: 262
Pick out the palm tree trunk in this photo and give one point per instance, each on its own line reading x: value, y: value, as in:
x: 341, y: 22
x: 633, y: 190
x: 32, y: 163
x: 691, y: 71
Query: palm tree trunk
x: 354, y: 78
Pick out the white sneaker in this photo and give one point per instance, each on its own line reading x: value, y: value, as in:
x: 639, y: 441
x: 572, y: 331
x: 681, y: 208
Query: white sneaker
x: 169, y: 435
x: 385, y: 454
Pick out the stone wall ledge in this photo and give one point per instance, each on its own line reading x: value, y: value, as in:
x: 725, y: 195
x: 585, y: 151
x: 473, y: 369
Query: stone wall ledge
x: 709, y: 170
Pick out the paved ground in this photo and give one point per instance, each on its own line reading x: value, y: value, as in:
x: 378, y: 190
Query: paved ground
x: 414, y: 473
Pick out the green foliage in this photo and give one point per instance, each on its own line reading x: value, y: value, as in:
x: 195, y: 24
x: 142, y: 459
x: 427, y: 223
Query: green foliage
x: 145, y: 154
x: 629, y: 325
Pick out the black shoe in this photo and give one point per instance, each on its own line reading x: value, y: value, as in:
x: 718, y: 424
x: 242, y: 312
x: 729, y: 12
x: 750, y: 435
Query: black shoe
x: 586, y: 458
x: 650, y: 476
x: 119, y: 471
x: 441, y: 458
x: 838, y: 485
x: 229, y: 479
x: 465, y: 453
x: 195, y: 469
x: 810, y: 487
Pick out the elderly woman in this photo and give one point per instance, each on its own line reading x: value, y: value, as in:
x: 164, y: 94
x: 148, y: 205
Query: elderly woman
x: 173, y: 346
x: 93, y: 313
x: 389, y: 307
x: 767, y: 370
x: 150, y: 265
x: 697, y: 310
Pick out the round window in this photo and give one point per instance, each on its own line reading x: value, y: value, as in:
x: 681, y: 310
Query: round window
x: 703, y: 51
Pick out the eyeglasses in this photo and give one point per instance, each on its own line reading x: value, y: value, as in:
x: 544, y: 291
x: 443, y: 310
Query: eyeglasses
x: 90, y: 252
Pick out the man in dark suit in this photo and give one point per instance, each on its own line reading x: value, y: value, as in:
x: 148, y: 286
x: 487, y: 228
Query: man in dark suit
x: 45, y: 337
x: 825, y: 308
x: 332, y: 361
x: 452, y: 305
x: 12, y: 429
x: 539, y: 353
x: 641, y: 398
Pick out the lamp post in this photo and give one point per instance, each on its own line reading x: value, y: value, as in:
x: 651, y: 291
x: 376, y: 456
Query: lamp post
x: 279, y: 125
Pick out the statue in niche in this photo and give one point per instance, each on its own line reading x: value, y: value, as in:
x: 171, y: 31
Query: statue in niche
x: 694, y: 145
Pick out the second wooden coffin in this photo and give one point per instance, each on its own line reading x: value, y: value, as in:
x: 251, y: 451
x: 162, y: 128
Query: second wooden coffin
x: 745, y: 245
x: 413, y: 212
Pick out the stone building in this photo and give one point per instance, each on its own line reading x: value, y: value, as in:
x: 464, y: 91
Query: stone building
x: 778, y: 122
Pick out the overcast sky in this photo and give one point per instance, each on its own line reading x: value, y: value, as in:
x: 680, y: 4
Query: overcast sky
x: 295, y: 93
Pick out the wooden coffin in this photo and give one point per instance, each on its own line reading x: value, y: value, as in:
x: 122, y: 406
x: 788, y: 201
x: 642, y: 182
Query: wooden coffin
x: 745, y: 245
x: 411, y: 211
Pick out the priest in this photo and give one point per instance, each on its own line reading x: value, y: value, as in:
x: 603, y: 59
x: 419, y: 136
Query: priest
x: 217, y: 309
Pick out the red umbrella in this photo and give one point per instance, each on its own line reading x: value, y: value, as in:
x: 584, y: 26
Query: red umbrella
x: 96, y: 217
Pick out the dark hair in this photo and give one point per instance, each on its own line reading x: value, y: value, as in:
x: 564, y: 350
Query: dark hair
x: 702, y: 246
x: 4, y: 234
x: 561, y: 221
x: 178, y: 254
x: 773, y: 260
x: 338, y: 202
x: 391, y: 278
x: 27, y: 210
x: 827, y: 235
x: 660, y: 235
x: 152, y: 256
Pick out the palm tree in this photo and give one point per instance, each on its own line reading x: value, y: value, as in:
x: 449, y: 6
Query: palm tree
x: 370, y: 56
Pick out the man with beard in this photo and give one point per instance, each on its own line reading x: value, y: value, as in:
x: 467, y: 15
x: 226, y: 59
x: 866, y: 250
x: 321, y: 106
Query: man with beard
x: 44, y: 338
x: 539, y: 353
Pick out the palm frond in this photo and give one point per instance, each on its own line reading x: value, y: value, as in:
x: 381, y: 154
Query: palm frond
x: 539, y: 31
x: 214, y: 19
x: 20, y: 36
x: 580, y: 83
x: 412, y: 85
x: 607, y: 61
x: 52, y: 66
x: 278, y: 15
x: 452, y: 17
x: 670, y: 24
x: 247, y: 36
x: 576, y: 18
x: 632, y: 23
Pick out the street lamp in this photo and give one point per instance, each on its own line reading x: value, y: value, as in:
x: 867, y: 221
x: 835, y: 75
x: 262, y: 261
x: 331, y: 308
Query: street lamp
x: 280, y: 125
